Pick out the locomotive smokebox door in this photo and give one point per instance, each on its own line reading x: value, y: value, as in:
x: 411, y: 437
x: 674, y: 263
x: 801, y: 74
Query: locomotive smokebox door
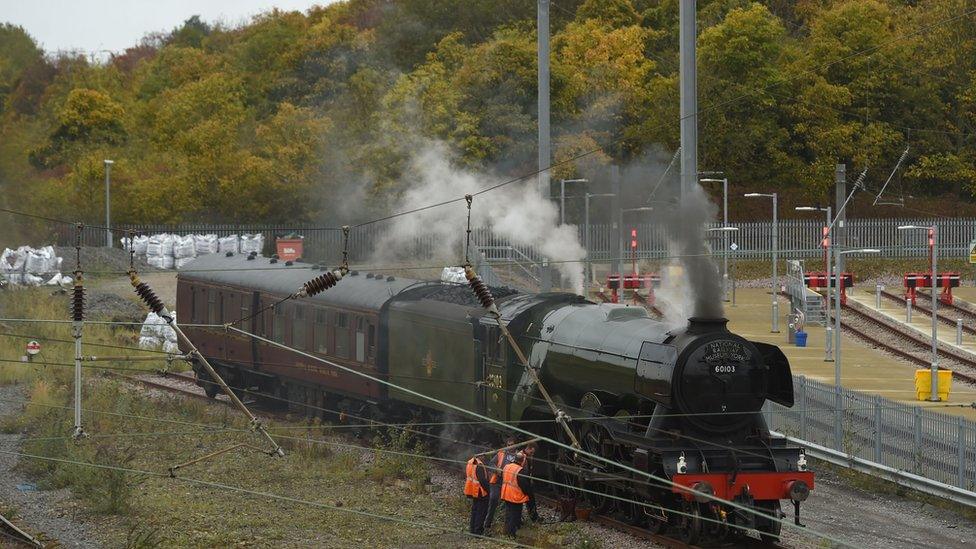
x: 655, y: 369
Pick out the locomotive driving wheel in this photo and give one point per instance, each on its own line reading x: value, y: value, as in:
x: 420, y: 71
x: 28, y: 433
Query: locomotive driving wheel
x: 690, y: 523
x: 769, y: 523
x: 595, y: 439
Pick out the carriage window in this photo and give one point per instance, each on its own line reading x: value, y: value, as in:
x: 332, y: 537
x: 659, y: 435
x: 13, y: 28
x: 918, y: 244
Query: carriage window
x: 298, y: 328
x: 244, y: 309
x: 193, y: 305
x: 212, y: 306
x: 342, y: 335
x: 360, y: 340
x: 371, y: 342
x: 321, y: 319
x: 278, y: 327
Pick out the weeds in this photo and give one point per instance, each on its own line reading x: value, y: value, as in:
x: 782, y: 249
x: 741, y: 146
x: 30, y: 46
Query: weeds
x: 390, y: 467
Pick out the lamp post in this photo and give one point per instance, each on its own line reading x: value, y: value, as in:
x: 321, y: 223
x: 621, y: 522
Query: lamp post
x: 725, y: 254
x: 725, y: 223
x: 586, y: 228
x: 933, y: 239
x: 828, y: 243
x: 108, y: 202
x: 562, y: 197
x: 775, y: 309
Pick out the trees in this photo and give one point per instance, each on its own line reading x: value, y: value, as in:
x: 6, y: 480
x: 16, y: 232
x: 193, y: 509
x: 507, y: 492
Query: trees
x: 252, y: 123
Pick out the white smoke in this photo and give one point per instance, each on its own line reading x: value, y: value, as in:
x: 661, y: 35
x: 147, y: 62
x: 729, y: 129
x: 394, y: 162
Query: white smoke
x: 515, y: 211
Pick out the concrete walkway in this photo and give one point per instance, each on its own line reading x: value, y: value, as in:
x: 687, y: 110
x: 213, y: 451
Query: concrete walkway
x: 863, y: 368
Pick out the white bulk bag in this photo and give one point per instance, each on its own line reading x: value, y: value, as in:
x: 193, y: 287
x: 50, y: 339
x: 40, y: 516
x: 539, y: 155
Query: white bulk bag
x: 139, y: 244
x: 229, y: 244
x: 184, y: 247
x: 206, y: 244
x: 252, y: 243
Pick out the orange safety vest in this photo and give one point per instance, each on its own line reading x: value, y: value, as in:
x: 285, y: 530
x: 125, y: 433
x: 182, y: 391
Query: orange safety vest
x: 510, y: 488
x: 499, y: 460
x: 473, y: 488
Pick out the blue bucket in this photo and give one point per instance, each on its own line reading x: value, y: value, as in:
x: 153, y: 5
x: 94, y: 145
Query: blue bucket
x: 801, y: 339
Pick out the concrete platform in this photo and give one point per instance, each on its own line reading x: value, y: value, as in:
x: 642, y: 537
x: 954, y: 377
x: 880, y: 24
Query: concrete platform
x: 863, y: 368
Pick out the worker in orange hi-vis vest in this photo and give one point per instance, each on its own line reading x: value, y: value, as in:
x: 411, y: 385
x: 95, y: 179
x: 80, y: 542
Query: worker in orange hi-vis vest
x: 476, y: 489
x: 516, y: 487
x: 498, y: 462
x: 528, y: 469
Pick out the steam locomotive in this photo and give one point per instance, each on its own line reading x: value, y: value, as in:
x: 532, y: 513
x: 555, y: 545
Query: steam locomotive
x: 683, y: 405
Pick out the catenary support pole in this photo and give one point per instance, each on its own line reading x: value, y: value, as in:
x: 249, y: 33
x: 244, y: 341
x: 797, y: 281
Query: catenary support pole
x: 543, y: 96
x: 108, y: 203
x: 775, y: 263
x: 934, y: 397
x: 687, y: 35
x: 840, y: 176
x: 77, y: 327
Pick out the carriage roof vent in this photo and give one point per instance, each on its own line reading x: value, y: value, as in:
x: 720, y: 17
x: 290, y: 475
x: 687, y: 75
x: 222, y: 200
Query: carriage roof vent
x: 369, y: 275
x: 289, y: 263
x: 390, y: 279
x: 273, y: 260
x: 616, y: 312
x: 229, y: 254
x: 353, y: 273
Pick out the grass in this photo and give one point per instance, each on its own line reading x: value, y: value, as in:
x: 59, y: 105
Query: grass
x: 139, y: 510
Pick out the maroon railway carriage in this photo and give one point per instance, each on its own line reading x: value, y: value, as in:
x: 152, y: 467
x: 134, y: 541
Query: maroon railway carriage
x: 341, y: 325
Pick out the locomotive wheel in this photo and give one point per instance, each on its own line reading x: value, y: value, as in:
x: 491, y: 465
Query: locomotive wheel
x: 595, y: 438
x: 631, y: 513
x: 656, y: 523
x: 769, y: 528
x: 690, y: 526
x: 211, y: 389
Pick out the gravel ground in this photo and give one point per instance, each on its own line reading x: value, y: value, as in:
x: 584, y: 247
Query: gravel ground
x: 865, y: 519
x: 99, y: 260
x: 49, y: 515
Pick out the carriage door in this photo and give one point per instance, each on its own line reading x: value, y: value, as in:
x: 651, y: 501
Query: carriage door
x: 496, y: 395
x: 255, y: 324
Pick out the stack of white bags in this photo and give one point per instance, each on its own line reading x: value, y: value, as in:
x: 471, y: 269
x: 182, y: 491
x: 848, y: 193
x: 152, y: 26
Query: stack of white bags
x: 166, y: 251
x: 156, y: 333
x: 32, y: 267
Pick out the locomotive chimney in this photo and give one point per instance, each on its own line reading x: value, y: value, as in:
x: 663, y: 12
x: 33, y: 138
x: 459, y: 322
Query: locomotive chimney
x: 701, y: 325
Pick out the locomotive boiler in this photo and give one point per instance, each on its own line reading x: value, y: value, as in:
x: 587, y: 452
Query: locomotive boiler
x: 683, y: 405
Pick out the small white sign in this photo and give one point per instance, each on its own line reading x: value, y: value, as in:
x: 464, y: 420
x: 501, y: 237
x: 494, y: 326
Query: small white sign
x: 33, y: 347
x: 733, y: 246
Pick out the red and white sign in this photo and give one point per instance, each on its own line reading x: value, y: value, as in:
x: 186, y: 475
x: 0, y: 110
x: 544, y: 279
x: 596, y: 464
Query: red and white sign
x: 33, y: 347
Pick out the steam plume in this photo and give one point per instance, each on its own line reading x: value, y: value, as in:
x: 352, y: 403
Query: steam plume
x: 515, y: 211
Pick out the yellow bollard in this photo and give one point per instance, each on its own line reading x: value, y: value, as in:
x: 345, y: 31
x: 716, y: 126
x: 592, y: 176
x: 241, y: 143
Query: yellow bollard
x: 923, y: 384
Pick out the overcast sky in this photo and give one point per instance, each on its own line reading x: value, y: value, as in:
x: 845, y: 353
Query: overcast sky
x: 93, y: 25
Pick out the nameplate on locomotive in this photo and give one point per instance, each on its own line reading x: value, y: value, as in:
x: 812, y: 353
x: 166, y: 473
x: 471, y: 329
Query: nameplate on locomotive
x: 725, y: 356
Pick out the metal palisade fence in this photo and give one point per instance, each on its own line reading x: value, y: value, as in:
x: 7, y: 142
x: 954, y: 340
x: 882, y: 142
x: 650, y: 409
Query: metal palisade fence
x: 797, y: 238
x: 937, y: 446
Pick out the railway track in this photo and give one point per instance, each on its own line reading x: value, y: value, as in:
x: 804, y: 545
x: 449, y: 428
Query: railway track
x: 966, y: 315
x: 190, y: 390
x: 908, y: 335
